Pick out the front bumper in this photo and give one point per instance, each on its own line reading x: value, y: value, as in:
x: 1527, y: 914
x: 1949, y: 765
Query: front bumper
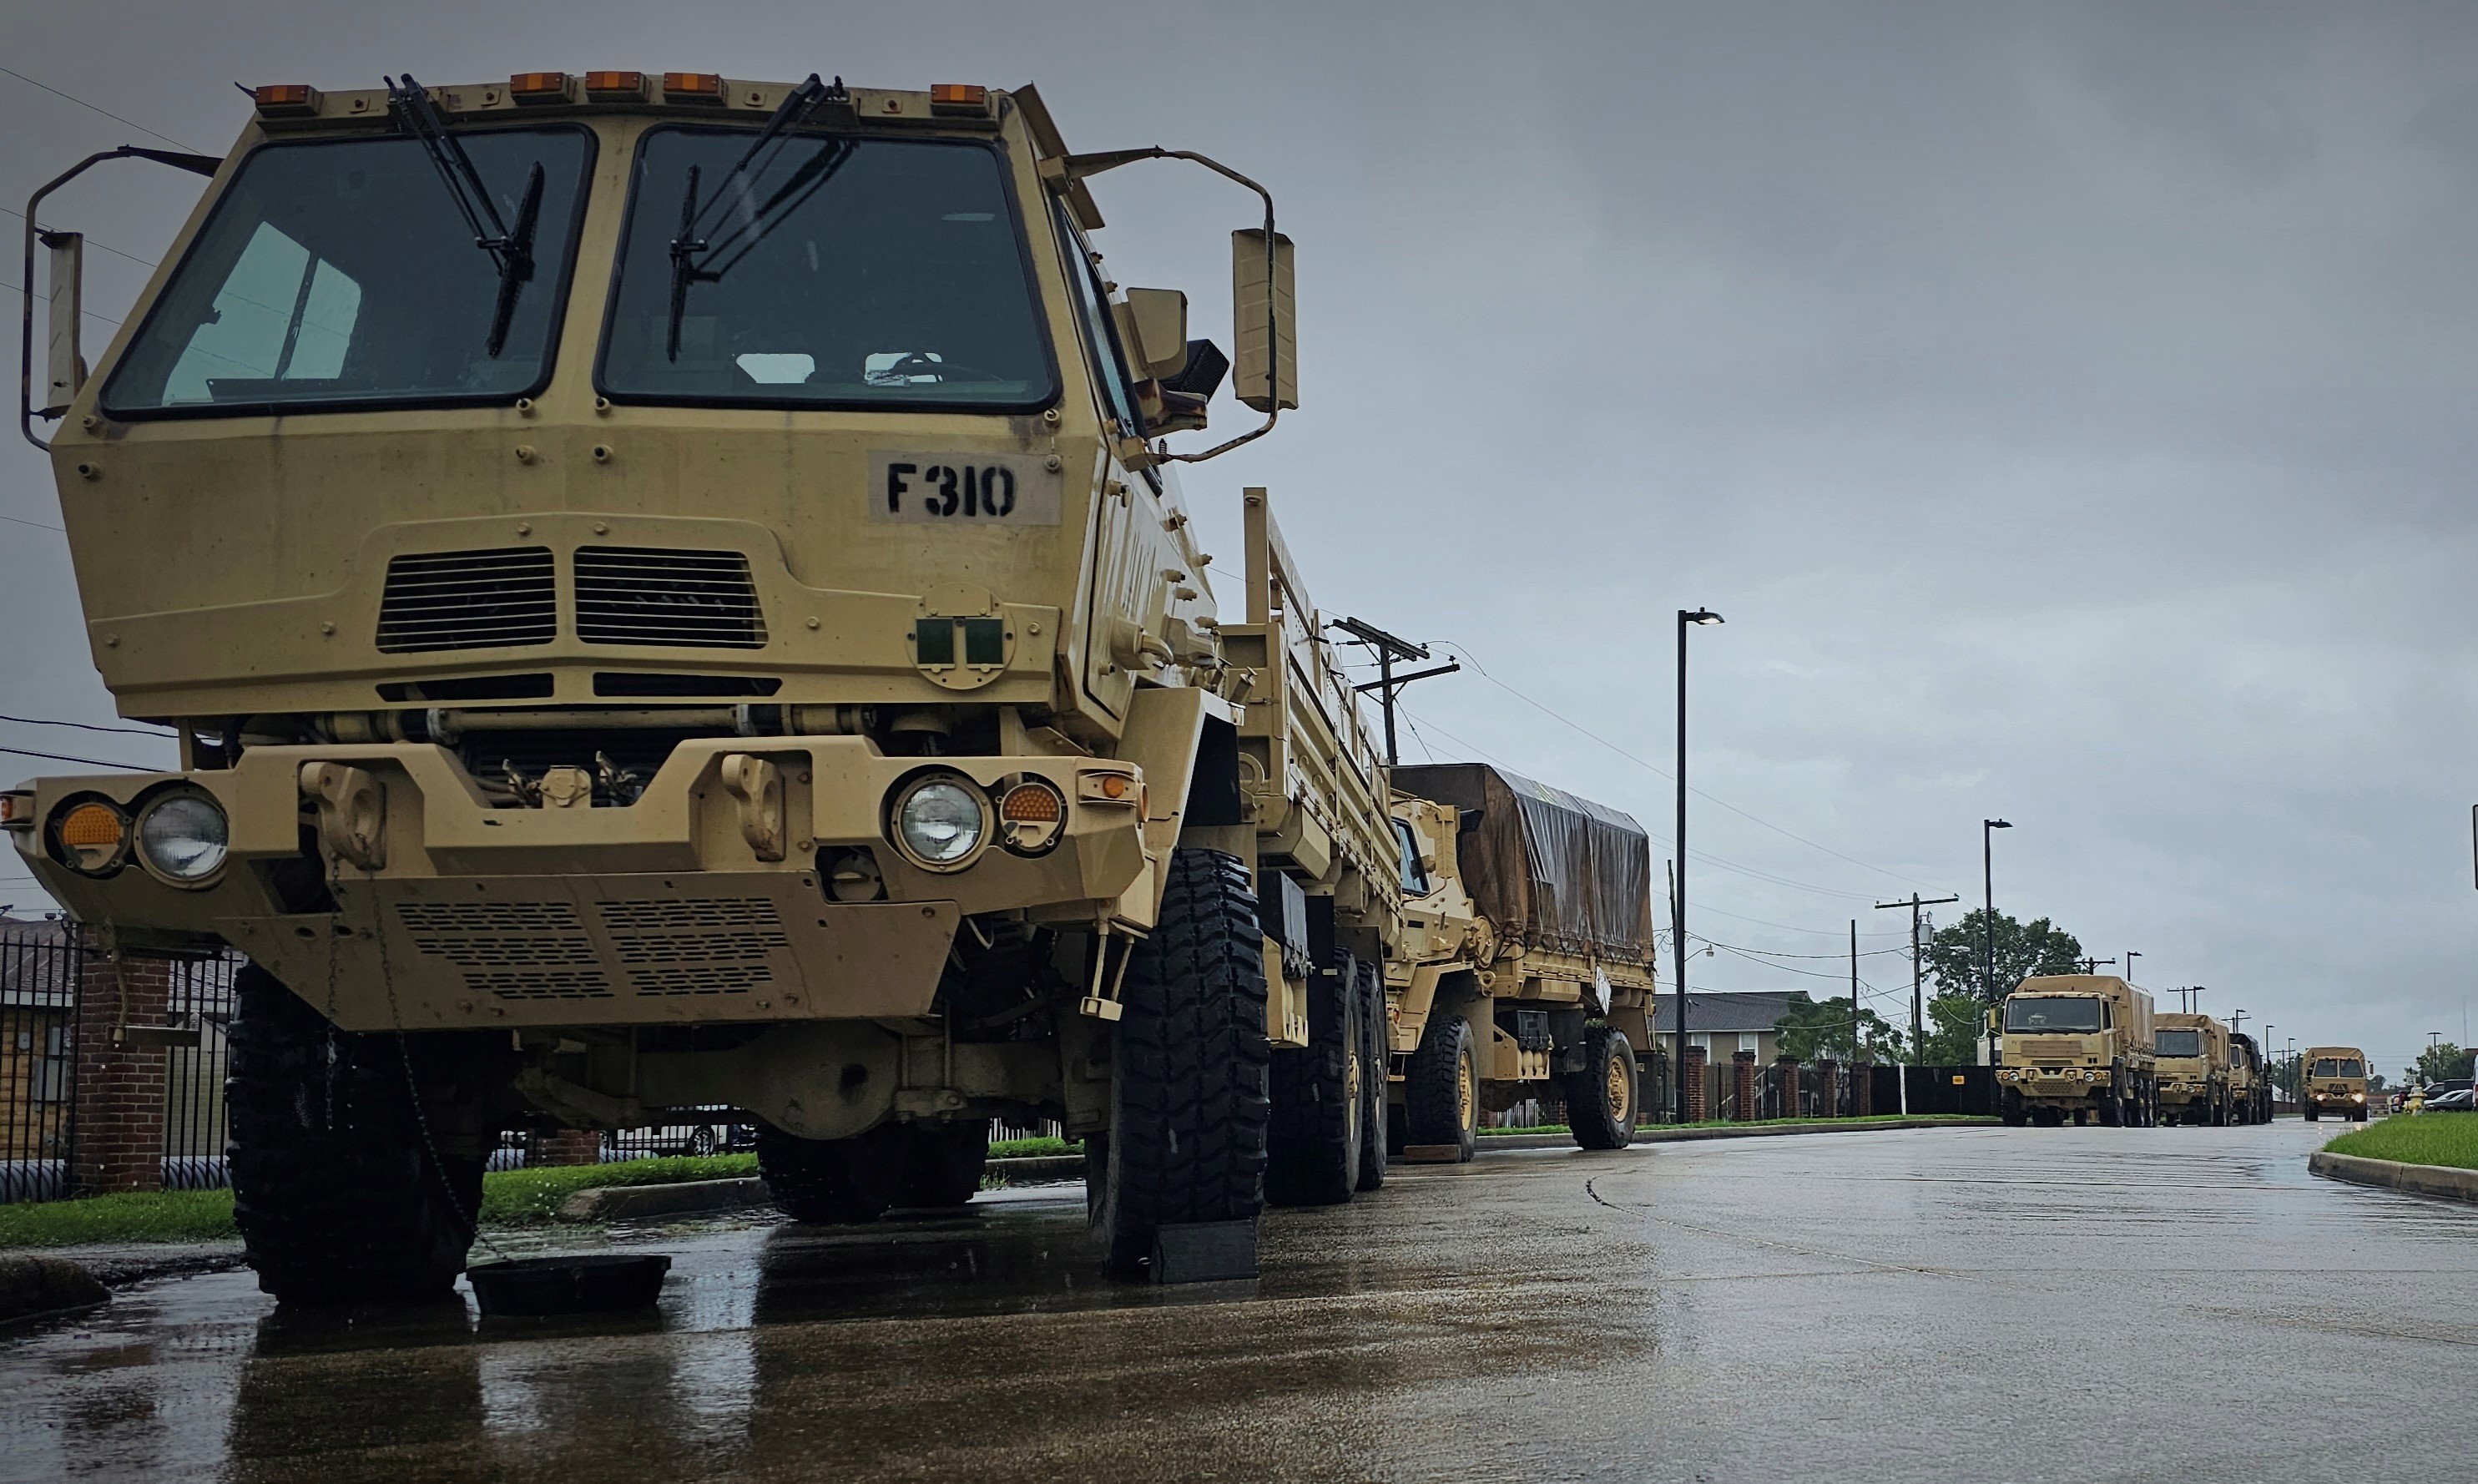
x: 2054, y: 1082
x: 662, y: 912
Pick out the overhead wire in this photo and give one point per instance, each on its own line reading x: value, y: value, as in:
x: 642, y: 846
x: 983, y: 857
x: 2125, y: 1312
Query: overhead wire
x: 92, y: 242
x: 105, y: 112
x: 166, y: 734
x: 62, y: 757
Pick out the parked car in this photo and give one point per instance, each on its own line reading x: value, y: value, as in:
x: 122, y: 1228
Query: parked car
x: 719, y: 1137
x: 2459, y: 1100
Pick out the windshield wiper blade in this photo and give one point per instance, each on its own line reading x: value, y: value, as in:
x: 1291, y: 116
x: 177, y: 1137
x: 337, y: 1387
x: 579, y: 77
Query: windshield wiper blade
x: 511, y: 250
x: 794, y: 109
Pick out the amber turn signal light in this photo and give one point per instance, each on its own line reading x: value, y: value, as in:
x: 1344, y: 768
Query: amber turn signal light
x: 285, y: 100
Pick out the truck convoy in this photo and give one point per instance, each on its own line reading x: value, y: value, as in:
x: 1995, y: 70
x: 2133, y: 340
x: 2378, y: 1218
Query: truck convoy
x: 2078, y: 1048
x: 2249, y: 1081
x: 2194, y: 1068
x: 2334, y: 1081
x: 675, y: 591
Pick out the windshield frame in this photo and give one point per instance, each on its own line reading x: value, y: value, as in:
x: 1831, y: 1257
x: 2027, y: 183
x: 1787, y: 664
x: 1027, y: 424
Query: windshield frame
x: 2099, y: 1015
x: 2160, y: 1041
x: 560, y: 291
x: 1054, y: 396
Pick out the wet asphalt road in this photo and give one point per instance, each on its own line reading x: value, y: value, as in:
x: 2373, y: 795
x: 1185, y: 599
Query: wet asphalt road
x: 1965, y: 1303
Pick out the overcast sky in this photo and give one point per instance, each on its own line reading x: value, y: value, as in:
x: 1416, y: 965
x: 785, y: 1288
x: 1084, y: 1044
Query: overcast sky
x: 2068, y: 407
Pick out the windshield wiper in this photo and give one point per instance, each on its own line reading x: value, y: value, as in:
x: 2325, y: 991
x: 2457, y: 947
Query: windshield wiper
x: 794, y: 109
x: 511, y: 248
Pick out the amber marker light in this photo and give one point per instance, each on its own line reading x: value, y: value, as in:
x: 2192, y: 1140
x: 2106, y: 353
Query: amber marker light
x: 1101, y: 787
x: 610, y: 85
x: 280, y: 99
x: 537, y: 86
x: 693, y: 87
x: 1032, y: 817
x: 958, y: 98
x: 92, y: 837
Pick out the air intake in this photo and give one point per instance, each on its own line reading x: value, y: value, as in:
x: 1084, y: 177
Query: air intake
x: 468, y: 600
x: 647, y: 596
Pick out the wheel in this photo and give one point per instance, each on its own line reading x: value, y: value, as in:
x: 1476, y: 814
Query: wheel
x: 2009, y: 1107
x: 1601, y: 1098
x: 2310, y: 1111
x: 336, y: 1189
x: 1373, y: 1120
x: 1441, y: 1090
x: 1313, y: 1145
x: 703, y: 1141
x: 834, y: 1181
x: 2114, y: 1109
x: 943, y: 1166
x: 1188, y: 1109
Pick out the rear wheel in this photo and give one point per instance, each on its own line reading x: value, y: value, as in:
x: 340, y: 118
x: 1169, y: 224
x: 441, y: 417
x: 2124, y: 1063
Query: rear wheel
x: 1372, y: 1115
x: 336, y: 1186
x: 945, y: 1164
x: 1188, y: 1109
x: 1441, y: 1093
x: 834, y: 1181
x: 2310, y: 1111
x: 1320, y: 1091
x: 1601, y: 1098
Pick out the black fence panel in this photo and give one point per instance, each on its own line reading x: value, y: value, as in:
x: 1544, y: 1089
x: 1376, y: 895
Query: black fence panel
x: 1953, y: 1090
x: 38, y: 991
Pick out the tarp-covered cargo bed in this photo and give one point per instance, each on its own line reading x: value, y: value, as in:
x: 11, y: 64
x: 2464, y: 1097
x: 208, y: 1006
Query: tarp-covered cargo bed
x: 1552, y: 870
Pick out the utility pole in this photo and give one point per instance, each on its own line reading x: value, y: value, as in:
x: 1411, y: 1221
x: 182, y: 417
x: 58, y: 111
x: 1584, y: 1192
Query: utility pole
x: 1699, y: 618
x: 1389, y: 647
x: 1854, y: 991
x: 2091, y: 966
x: 1918, y: 966
x: 1987, y: 918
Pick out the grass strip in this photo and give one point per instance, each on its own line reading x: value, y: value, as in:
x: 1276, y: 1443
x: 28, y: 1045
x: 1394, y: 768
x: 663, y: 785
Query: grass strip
x: 1662, y: 1128
x: 2448, y: 1138
x: 164, y: 1215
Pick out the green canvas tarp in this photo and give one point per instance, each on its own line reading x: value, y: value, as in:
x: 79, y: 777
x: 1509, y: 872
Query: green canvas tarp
x: 1551, y: 869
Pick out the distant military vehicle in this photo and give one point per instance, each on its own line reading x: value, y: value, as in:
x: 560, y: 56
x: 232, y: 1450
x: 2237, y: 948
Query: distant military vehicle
x: 2194, y: 1068
x: 2332, y: 1079
x: 2249, y: 1081
x: 2078, y: 1048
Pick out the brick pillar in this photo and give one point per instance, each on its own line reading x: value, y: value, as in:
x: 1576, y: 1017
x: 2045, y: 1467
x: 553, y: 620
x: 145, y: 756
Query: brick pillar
x: 1747, y: 1107
x: 116, y: 1111
x: 1787, y: 1066
x: 566, y: 1146
x: 1699, y: 1085
x: 1828, y: 1089
x: 1862, y: 1089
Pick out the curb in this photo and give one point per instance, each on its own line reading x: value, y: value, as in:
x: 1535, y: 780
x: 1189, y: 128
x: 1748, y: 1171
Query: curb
x: 1654, y: 1135
x: 39, y: 1288
x: 634, y: 1202
x: 2438, y: 1180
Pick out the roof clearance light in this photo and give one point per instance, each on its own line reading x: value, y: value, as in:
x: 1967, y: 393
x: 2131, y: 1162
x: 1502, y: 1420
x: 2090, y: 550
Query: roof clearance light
x: 958, y: 98
x: 693, y: 87
x: 609, y: 87
x: 286, y: 100
x: 537, y: 86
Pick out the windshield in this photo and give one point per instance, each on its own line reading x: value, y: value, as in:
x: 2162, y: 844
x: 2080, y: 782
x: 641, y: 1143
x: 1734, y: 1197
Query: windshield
x: 2181, y: 1042
x: 2338, y: 1066
x: 339, y: 272
x: 2052, y: 1014
x: 835, y: 271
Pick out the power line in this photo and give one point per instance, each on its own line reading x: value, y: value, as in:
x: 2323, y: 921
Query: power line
x: 88, y: 726
x: 92, y: 242
x: 90, y: 313
x: 37, y: 524
x: 58, y: 757
x: 105, y: 112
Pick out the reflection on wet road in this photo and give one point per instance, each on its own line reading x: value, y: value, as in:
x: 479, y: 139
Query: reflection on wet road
x: 1972, y: 1304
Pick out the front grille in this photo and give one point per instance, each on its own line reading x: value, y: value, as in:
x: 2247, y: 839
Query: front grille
x: 648, y: 595
x: 467, y: 600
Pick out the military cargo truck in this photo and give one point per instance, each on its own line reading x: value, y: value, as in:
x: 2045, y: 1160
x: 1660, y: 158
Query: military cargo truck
x: 2078, y: 1048
x: 675, y: 591
x: 2249, y: 1081
x: 2194, y: 1068
x: 2332, y: 1079
x: 1525, y: 961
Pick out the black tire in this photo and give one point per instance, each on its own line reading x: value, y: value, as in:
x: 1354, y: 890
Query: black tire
x: 1188, y: 1105
x: 703, y: 1143
x: 2116, y: 1108
x: 2009, y: 1107
x: 944, y: 1166
x: 834, y: 1182
x: 1373, y: 1120
x: 335, y: 1190
x: 1441, y: 1090
x: 1320, y: 1094
x: 2310, y: 1112
x: 1601, y: 1099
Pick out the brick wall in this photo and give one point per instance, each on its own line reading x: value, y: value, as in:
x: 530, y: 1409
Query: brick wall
x: 119, y: 1109
x: 1699, y: 1085
x: 1828, y: 1089
x: 1744, y: 1065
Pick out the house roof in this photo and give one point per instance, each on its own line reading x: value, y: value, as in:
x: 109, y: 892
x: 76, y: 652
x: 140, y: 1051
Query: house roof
x: 36, y: 963
x: 1753, y: 1010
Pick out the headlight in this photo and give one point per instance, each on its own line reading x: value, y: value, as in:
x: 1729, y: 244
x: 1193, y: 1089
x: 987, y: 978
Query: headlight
x: 91, y: 837
x: 940, y: 822
x: 2358, y: 1096
x: 183, y: 837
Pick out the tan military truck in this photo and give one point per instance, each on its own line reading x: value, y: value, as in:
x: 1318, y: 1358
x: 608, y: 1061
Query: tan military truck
x: 2332, y: 1079
x: 673, y: 590
x: 1525, y: 964
x: 2194, y: 1068
x: 2078, y: 1048
x: 2249, y: 1081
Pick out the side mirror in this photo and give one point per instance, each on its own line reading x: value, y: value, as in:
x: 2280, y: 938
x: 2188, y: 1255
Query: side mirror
x: 1470, y: 821
x: 1156, y: 322
x: 1265, y: 328
x: 65, y: 314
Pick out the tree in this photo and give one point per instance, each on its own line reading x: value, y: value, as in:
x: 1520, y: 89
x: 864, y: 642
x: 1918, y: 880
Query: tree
x: 1814, y: 1029
x: 2439, y: 1062
x: 1958, y: 955
x: 1955, y: 1024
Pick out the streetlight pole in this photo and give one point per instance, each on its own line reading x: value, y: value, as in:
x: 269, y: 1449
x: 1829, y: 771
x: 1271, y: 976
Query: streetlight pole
x: 1987, y: 916
x: 1918, y: 1020
x: 2129, y: 955
x: 1677, y: 903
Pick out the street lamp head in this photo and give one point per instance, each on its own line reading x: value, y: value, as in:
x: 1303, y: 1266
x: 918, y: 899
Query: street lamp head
x: 1699, y: 615
x: 1997, y: 825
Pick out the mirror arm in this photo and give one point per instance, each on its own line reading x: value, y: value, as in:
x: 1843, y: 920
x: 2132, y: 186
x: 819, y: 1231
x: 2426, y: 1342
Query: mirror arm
x: 1077, y: 167
x: 200, y: 165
